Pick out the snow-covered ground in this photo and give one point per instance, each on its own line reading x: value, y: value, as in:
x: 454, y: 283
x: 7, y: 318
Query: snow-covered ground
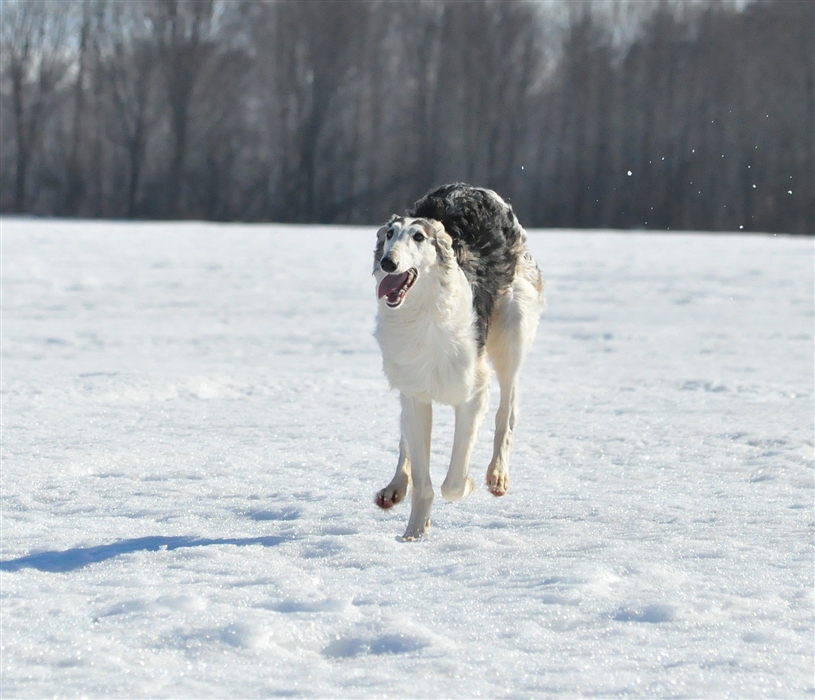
x: 195, y: 424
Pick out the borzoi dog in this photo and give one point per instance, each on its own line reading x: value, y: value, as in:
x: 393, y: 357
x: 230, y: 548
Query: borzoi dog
x: 455, y: 285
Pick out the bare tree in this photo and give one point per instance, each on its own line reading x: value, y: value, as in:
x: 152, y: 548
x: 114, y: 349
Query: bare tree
x: 650, y: 114
x: 76, y: 181
x: 219, y: 134
x: 33, y: 56
x: 315, y: 46
x: 128, y: 62
x: 183, y: 29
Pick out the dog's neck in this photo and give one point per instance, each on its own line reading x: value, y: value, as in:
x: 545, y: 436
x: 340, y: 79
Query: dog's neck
x: 428, y: 343
x: 439, y: 295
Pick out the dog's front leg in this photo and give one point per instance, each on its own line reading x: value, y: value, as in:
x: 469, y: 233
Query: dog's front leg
x: 395, y: 491
x: 417, y: 419
x: 469, y: 416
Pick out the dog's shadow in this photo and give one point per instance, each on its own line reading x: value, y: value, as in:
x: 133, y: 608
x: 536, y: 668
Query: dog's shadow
x: 80, y: 557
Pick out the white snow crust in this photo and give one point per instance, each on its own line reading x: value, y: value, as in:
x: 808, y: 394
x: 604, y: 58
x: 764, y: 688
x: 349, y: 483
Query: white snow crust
x: 195, y: 423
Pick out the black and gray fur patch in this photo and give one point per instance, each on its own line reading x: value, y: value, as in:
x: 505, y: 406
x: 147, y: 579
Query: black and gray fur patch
x: 488, y: 241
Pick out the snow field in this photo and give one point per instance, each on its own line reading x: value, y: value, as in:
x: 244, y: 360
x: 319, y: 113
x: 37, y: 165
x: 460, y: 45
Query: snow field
x: 195, y: 423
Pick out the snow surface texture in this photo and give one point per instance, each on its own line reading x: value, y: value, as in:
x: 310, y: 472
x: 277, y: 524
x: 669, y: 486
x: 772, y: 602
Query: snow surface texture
x: 196, y: 423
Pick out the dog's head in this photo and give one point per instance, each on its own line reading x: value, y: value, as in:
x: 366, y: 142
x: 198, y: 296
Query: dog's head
x: 406, y: 250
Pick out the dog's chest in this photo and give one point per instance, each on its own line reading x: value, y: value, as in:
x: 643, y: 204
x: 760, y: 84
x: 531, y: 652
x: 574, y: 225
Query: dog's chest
x: 429, y: 356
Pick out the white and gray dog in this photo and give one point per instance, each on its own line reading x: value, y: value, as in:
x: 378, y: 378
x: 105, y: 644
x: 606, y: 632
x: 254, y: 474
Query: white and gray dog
x: 455, y: 285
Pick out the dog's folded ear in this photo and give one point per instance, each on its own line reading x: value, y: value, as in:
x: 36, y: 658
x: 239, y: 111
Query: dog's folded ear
x: 442, y: 242
x: 380, y: 234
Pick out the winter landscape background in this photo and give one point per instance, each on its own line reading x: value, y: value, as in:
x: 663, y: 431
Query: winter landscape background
x: 195, y: 423
x: 648, y: 114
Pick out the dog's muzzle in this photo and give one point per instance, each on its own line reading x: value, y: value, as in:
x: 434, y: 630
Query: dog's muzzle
x: 394, y: 287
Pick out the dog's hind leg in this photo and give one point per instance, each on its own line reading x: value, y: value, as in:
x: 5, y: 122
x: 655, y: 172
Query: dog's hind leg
x: 511, y: 334
x: 498, y: 471
x: 395, y: 491
x: 417, y: 419
x: 469, y: 416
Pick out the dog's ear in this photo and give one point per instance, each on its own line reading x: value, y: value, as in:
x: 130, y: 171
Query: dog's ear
x: 442, y: 242
x: 379, y: 250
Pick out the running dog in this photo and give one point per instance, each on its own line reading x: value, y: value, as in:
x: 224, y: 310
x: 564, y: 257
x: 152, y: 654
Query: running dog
x: 455, y: 286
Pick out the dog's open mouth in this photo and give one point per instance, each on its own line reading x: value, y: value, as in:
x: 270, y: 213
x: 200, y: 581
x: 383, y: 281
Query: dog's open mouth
x: 394, y: 287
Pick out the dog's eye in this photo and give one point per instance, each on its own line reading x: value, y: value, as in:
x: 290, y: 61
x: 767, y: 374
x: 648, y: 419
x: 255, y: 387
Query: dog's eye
x: 389, y: 234
x: 418, y: 237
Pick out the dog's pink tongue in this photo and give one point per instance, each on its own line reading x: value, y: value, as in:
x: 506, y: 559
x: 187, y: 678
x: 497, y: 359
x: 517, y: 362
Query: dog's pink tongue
x: 391, y: 283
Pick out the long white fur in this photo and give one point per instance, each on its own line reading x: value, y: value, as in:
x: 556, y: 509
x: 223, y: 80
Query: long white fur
x: 430, y: 353
x: 436, y: 313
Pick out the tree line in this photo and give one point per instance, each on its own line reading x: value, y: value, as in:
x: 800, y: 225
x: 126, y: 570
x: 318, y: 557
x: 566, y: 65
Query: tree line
x: 647, y: 115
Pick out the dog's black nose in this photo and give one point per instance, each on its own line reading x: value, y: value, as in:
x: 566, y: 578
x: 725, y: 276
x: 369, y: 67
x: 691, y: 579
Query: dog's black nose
x: 387, y: 265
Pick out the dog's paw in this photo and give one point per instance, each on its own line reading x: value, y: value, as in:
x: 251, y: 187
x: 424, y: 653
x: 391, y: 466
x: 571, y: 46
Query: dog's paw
x: 389, y: 497
x: 414, y: 534
x: 455, y: 492
x: 497, y: 482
